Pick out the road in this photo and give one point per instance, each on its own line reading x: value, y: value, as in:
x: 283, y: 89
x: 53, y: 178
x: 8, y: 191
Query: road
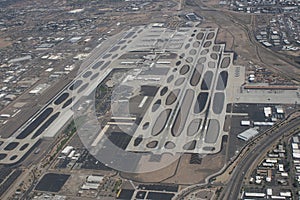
x: 233, y: 187
x: 259, y: 49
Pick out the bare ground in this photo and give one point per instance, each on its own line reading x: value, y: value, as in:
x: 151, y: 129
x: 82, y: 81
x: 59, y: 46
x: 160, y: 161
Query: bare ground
x: 182, y: 172
x: 4, y: 43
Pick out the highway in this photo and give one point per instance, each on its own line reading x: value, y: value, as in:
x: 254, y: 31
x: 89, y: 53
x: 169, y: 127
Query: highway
x: 233, y: 187
x: 231, y: 190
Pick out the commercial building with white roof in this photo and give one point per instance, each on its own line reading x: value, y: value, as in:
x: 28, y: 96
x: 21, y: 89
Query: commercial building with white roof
x: 248, y: 134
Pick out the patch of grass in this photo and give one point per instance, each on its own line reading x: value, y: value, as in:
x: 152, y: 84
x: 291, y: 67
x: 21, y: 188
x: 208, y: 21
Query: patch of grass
x: 117, y: 186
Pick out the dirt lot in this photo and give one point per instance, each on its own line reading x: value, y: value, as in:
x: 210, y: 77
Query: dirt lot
x: 4, y: 43
x: 182, y: 172
x: 195, y: 173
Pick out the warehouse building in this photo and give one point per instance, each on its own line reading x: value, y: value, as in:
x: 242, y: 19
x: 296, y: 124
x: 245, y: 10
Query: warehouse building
x: 248, y: 134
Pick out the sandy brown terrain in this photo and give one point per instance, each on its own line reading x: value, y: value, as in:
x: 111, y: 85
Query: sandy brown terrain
x: 182, y: 172
x: 4, y: 43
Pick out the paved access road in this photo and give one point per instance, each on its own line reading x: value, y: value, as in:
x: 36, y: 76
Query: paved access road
x: 232, y: 189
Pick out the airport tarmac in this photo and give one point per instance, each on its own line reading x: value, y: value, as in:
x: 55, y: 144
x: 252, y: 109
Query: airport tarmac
x: 188, y: 113
x: 196, y: 80
x: 51, y: 119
